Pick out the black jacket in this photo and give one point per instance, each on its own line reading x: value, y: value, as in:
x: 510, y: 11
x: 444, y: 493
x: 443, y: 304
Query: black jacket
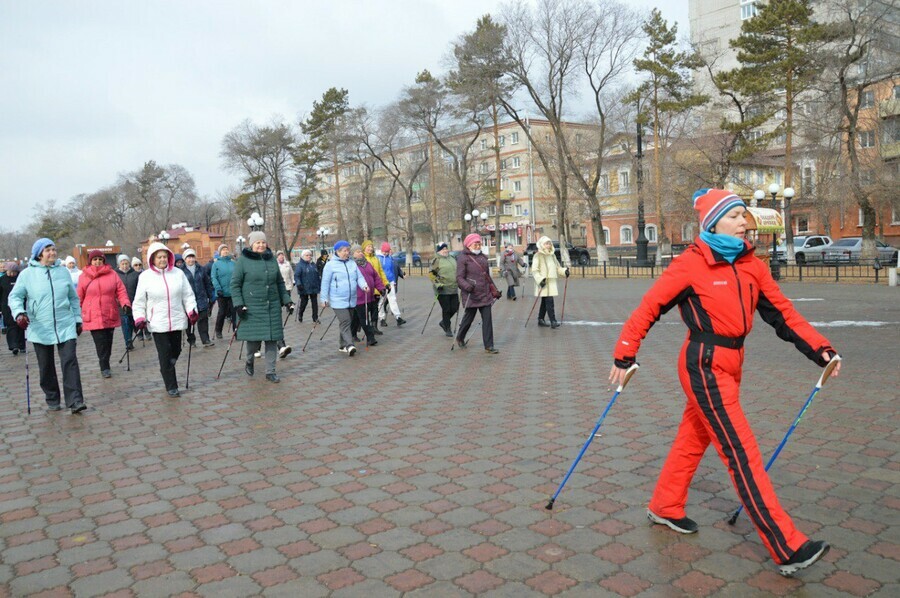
x: 202, y: 285
x: 130, y: 280
x: 6, y: 286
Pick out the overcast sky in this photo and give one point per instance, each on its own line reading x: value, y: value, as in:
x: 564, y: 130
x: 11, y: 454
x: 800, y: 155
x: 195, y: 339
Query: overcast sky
x: 95, y: 88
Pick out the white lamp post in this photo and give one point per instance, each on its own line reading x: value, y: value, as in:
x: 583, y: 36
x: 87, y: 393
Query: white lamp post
x: 255, y: 221
x: 321, y: 233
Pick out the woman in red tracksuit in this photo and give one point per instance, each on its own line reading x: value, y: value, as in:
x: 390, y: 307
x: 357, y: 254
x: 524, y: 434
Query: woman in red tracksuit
x: 717, y: 284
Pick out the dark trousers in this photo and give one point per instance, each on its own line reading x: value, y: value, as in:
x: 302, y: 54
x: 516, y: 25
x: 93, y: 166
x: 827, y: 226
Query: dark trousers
x: 127, y: 327
x: 304, y: 299
x: 510, y: 292
x: 364, y: 321
x: 547, y: 309
x: 449, y: 307
x: 487, y: 326
x: 202, y: 327
x: 103, y: 340
x: 15, y: 337
x: 226, y: 310
x: 168, y: 349
x: 68, y: 359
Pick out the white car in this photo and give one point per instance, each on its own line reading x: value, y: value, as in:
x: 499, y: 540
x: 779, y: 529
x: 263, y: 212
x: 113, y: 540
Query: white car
x: 807, y: 248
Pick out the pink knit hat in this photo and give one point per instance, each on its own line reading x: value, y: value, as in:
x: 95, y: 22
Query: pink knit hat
x: 470, y: 239
x: 385, y: 247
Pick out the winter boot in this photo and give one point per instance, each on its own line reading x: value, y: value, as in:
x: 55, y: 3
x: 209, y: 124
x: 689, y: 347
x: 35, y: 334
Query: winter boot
x: 542, y: 322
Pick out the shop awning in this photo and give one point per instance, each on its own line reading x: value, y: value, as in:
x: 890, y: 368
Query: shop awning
x: 765, y: 220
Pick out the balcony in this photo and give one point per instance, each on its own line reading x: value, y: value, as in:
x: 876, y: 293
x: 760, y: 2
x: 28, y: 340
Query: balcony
x: 888, y: 108
x: 889, y: 151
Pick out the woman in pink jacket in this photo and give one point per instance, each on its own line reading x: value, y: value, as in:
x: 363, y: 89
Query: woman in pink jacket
x: 103, y: 301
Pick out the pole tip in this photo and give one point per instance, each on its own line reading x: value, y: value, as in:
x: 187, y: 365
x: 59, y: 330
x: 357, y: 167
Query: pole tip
x: 732, y: 519
x: 549, y: 506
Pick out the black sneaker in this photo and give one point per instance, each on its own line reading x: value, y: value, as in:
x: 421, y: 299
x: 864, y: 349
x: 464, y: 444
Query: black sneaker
x: 400, y: 321
x: 248, y: 366
x: 684, y: 525
x: 54, y: 407
x: 174, y: 393
x: 378, y: 332
x: 448, y: 333
x: 806, y: 555
x: 273, y: 378
x: 208, y: 344
x: 491, y: 350
x: 461, y: 343
x: 554, y: 324
x: 543, y: 323
x: 78, y: 408
x: 218, y: 336
x: 106, y: 373
x: 382, y: 323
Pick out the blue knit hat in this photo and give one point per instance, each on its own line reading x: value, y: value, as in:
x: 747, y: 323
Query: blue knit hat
x: 39, y: 246
x: 340, y: 244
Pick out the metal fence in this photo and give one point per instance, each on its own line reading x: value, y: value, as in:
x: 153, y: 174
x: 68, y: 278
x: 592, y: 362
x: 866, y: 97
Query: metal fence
x: 871, y: 271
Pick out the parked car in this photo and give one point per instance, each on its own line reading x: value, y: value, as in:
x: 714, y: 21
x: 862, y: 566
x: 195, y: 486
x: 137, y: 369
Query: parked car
x: 400, y: 258
x: 578, y: 255
x: 848, y: 250
x: 807, y: 248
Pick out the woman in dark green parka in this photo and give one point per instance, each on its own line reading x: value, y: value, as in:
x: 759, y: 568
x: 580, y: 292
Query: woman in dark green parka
x: 258, y: 292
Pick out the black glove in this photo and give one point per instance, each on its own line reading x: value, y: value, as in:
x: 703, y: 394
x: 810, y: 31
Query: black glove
x: 440, y: 287
x: 241, y: 311
x: 219, y: 295
x: 300, y: 290
x: 543, y: 283
x: 387, y: 288
x: 567, y: 272
x: 290, y: 308
x: 126, y: 310
x: 78, y: 329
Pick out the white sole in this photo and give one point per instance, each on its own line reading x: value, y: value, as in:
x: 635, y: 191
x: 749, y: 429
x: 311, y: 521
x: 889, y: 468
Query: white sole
x: 789, y: 570
x: 662, y: 521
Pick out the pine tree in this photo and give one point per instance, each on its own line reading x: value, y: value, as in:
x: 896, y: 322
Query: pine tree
x: 666, y: 92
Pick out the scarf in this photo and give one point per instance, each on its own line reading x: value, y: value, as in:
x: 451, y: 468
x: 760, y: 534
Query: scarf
x: 360, y: 262
x: 725, y: 245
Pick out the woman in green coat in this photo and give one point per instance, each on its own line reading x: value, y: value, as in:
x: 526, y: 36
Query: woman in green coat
x: 258, y: 292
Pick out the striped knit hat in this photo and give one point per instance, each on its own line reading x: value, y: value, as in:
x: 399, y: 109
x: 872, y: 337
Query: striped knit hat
x: 712, y: 204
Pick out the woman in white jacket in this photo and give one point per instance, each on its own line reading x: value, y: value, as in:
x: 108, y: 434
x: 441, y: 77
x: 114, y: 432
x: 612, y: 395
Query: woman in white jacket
x: 546, y: 269
x: 164, y: 304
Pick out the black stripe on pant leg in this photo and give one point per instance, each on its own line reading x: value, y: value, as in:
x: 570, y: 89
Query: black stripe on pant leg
x: 714, y: 411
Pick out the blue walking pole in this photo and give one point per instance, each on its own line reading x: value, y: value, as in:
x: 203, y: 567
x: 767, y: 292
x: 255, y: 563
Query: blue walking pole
x: 628, y: 374
x: 835, y: 360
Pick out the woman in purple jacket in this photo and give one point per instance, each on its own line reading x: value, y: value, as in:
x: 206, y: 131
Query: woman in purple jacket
x: 366, y: 309
x: 478, y: 292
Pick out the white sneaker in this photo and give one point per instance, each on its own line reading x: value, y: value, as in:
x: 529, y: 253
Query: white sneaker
x: 284, y: 351
x: 351, y: 350
x: 257, y: 355
x: 343, y: 349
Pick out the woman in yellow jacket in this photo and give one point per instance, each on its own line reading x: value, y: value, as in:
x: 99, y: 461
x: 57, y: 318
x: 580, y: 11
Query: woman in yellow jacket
x: 368, y: 248
x: 546, y: 269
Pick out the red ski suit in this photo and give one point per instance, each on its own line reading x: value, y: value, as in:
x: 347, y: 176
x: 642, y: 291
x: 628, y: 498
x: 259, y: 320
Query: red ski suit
x: 717, y: 301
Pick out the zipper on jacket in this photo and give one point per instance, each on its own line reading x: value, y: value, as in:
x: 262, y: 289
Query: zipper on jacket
x: 168, y: 299
x: 53, y: 300
x: 740, y: 297
x: 349, y: 290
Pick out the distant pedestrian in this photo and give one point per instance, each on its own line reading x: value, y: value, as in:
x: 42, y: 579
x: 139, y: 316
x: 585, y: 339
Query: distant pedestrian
x: 509, y: 269
x: 179, y: 261
x: 103, y: 302
x: 204, y: 294
x: 366, y: 310
x: 546, y: 270
x: 443, y: 278
x: 222, y: 271
x: 478, y: 292
x: 138, y: 266
x: 321, y: 261
x: 15, y: 336
x: 394, y: 273
x: 44, y: 300
x: 129, y: 277
x: 165, y: 305
x: 287, y: 272
x: 72, y: 267
x: 368, y: 248
x: 340, y: 280
x: 259, y: 294
x: 308, y: 281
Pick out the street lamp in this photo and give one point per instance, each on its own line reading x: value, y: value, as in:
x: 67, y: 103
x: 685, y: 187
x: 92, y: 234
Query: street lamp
x: 788, y: 226
x: 472, y: 217
x: 642, y: 240
x: 255, y: 221
x: 240, y: 242
x: 321, y: 233
x: 110, y: 244
x: 774, y: 266
x: 164, y: 237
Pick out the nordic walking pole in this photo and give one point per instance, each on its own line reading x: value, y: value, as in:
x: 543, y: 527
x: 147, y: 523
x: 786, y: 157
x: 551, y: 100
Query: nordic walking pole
x: 835, y: 360
x: 628, y: 374
x: 187, y: 377
x: 233, y: 336
x: 562, y: 314
x: 327, y: 328
x: 27, y: 379
x: 124, y: 355
x: 319, y: 319
x: 429, y: 313
x: 456, y: 330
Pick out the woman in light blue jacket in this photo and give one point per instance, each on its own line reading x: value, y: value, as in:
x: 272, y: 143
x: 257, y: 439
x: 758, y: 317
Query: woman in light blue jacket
x: 44, y: 304
x: 340, y: 280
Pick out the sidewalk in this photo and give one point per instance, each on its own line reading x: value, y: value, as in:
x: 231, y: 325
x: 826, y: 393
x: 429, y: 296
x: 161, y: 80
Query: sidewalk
x: 416, y: 471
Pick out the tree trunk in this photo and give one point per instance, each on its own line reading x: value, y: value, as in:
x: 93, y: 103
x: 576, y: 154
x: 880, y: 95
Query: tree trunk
x: 663, y: 245
x: 597, y: 228
x: 497, y: 208
x: 342, y: 230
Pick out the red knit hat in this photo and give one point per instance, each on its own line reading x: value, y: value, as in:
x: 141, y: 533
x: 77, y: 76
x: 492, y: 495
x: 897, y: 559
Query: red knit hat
x: 385, y: 247
x: 712, y: 204
x: 95, y: 253
x: 472, y: 238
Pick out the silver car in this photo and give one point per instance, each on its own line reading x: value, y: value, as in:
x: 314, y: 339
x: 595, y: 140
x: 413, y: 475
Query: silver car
x: 848, y: 250
x: 807, y: 248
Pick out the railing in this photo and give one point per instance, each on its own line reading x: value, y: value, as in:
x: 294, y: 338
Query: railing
x: 870, y: 271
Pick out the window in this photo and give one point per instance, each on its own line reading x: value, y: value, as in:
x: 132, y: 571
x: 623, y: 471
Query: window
x: 484, y: 144
x: 504, y: 183
x: 861, y: 218
x: 867, y: 100
x: 897, y: 92
x: 606, y: 235
x: 502, y: 164
x: 760, y: 177
x: 895, y: 216
x: 552, y: 209
x: 547, y: 137
x: 802, y: 224
x: 604, y: 183
x: 650, y: 232
x: 866, y: 138
x: 748, y: 9
x: 891, y: 130
x: 623, y: 181
x: 578, y: 138
x: 514, y: 138
x: 502, y: 140
x: 507, y: 209
x: 809, y: 179
x: 518, y: 209
x: 516, y: 162
x: 483, y: 168
x: 625, y: 236
x: 517, y: 185
x: 687, y: 231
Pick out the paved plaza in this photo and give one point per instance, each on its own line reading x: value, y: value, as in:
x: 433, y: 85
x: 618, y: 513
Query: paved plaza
x: 411, y: 470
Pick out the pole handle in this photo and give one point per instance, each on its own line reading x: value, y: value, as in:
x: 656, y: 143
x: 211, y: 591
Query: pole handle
x: 628, y: 374
x: 829, y: 367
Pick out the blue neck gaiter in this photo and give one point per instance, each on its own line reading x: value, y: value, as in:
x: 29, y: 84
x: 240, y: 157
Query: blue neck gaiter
x: 725, y: 245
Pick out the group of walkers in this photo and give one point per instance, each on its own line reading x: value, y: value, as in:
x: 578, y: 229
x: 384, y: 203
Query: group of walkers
x: 718, y: 284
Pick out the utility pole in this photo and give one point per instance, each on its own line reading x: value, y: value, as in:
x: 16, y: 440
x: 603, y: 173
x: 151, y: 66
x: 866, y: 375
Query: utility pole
x: 642, y: 241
